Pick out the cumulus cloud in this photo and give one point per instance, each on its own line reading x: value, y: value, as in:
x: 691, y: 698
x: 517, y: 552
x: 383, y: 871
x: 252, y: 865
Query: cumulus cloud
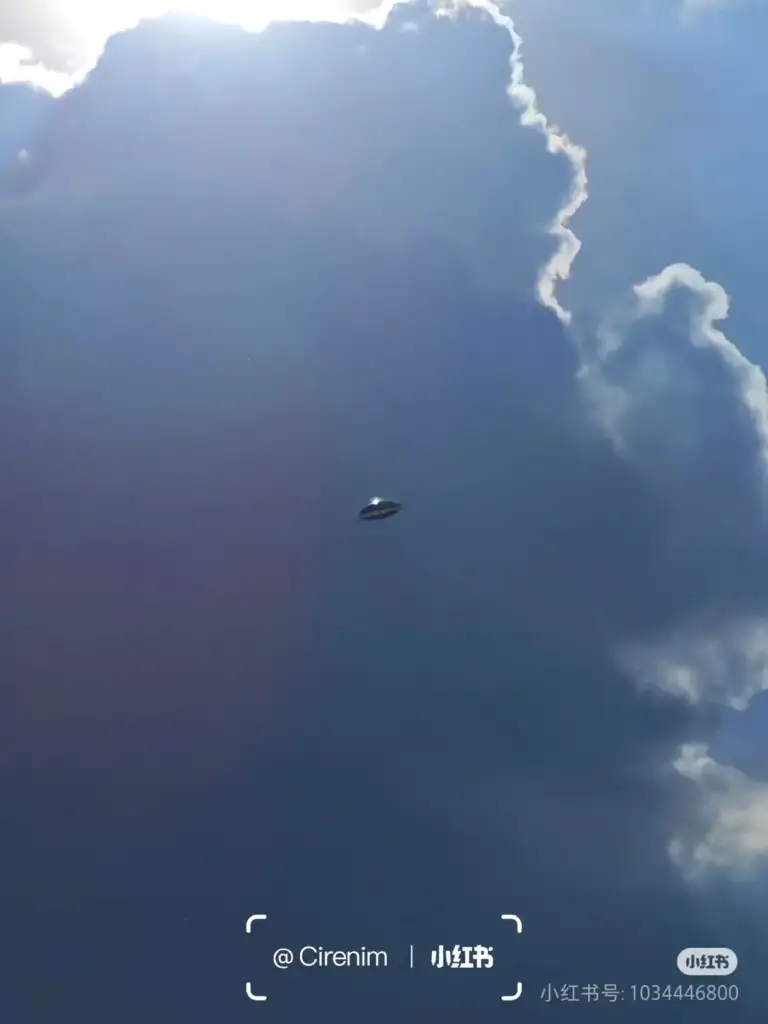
x: 737, y: 810
x: 669, y: 415
x: 242, y: 310
x: 80, y: 34
x: 624, y: 328
x: 468, y: 121
x: 55, y: 44
x: 679, y: 417
x: 728, y: 665
x: 559, y: 267
x: 17, y: 64
x: 225, y: 306
x: 750, y: 379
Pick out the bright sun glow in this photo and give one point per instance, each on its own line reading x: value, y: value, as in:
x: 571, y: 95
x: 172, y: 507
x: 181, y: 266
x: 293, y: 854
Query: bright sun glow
x: 251, y: 14
x: 83, y: 27
x: 101, y: 18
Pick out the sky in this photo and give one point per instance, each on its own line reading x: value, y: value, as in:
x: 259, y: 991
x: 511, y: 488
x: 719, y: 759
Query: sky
x: 498, y: 263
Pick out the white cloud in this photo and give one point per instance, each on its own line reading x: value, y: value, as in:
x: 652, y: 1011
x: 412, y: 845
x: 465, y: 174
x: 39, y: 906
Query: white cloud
x: 81, y: 28
x: 714, y: 305
x: 728, y: 667
x: 736, y: 807
x: 559, y: 267
x: 611, y: 403
x: 17, y: 64
x: 55, y: 44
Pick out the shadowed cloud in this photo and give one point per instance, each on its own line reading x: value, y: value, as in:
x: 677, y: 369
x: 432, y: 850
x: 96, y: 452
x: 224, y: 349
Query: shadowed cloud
x: 244, y: 297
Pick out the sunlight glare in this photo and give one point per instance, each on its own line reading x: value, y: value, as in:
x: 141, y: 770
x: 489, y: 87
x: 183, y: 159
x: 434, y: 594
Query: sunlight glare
x: 253, y: 15
x: 87, y: 24
x: 98, y: 19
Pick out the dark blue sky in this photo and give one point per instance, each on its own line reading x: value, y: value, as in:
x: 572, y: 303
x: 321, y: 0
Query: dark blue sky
x: 250, y: 280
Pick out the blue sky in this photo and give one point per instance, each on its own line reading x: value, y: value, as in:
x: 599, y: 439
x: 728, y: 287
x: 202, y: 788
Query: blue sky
x: 252, y: 278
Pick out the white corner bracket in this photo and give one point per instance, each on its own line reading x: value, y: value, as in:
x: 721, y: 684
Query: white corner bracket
x: 252, y: 918
x: 518, y: 993
x: 515, y: 918
x: 249, y: 993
